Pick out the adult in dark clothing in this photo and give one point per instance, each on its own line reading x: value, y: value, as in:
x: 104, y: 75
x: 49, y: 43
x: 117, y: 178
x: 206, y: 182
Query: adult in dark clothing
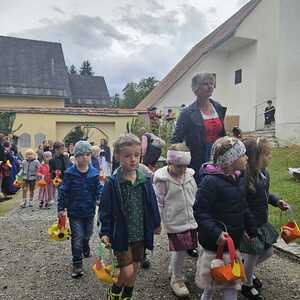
x: 269, y: 114
x: 201, y: 123
x: 105, y: 157
x: 60, y: 160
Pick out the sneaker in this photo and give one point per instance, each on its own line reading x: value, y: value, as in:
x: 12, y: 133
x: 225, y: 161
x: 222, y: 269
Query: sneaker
x: 145, y: 264
x: 86, y: 251
x: 41, y: 204
x: 30, y: 204
x: 192, y: 252
x: 112, y: 296
x: 23, y: 205
x: 77, y: 271
x: 257, y: 283
x: 250, y: 292
x: 47, y: 205
x: 179, y: 288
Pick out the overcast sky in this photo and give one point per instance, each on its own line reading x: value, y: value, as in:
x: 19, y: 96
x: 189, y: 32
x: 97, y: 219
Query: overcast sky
x: 125, y: 40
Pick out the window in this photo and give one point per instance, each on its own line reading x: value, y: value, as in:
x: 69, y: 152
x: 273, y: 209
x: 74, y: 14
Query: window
x: 24, y: 140
x: 238, y: 76
x: 38, y: 139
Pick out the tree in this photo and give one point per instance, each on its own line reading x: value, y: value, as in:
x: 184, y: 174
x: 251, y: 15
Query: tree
x: 134, y: 93
x: 130, y: 95
x: 145, y: 86
x: 86, y: 69
x: 7, y: 120
x: 76, y: 134
x: 115, y: 100
x: 72, y: 70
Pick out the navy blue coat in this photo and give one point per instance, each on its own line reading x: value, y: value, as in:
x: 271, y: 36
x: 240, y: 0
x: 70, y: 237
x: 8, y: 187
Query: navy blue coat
x: 79, y: 193
x: 222, y: 200
x: 113, y: 220
x: 190, y: 128
x: 259, y: 200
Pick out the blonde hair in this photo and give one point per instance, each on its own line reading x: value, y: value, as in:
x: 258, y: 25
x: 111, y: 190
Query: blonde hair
x: 127, y: 139
x: 95, y: 149
x: 179, y: 147
x: 29, y: 152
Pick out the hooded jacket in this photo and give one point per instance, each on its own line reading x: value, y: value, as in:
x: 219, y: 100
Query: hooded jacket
x: 176, y: 200
x: 79, y: 192
x: 221, y: 206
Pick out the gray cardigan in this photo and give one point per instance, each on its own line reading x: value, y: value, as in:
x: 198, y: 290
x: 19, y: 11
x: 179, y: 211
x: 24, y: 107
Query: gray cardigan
x: 29, y: 169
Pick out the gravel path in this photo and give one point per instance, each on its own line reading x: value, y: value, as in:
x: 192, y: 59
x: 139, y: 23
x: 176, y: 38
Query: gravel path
x: 34, y: 267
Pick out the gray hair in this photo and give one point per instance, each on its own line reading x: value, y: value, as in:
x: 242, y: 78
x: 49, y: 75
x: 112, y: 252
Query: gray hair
x: 199, y: 78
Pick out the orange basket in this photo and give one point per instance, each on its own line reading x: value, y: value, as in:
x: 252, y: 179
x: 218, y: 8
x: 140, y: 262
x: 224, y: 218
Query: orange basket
x: 228, y: 272
x: 290, y: 231
x: 42, y: 183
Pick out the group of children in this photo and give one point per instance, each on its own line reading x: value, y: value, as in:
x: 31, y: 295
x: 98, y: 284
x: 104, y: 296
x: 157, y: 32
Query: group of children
x: 32, y: 171
x: 231, y: 200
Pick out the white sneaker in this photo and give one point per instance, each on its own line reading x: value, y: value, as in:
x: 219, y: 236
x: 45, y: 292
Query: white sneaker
x: 30, y: 204
x: 179, y: 288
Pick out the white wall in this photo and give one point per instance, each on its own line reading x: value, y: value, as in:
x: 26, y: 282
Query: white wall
x: 181, y: 92
x: 288, y: 88
x: 241, y: 98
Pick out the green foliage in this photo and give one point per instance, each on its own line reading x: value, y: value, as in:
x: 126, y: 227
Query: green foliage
x: 115, y: 100
x: 7, y: 120
x: 78, y: 133
x: 136, y: 124
x: 134, y: 93
x: 86, y: 69
x: 72, y: 70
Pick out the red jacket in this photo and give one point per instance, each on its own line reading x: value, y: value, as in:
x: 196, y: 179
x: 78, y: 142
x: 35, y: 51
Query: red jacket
x: 44, y: 170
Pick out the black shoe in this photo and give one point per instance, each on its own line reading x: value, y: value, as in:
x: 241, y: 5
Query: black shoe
x: 145, y: 264
x: 86, y: 251
x: 257, y: 283
x: 192, y: 252
x: 77, y: 271
x: 41, y: 204
x: 250, y: 292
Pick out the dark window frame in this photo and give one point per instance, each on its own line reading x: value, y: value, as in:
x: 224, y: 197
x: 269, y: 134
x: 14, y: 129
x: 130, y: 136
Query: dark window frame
x: 238, y: 76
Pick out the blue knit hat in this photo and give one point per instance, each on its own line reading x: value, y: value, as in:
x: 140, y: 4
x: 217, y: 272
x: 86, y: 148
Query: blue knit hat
x: 82, y: 147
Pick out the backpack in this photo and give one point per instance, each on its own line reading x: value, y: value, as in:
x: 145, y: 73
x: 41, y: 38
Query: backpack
x: 155, y: 141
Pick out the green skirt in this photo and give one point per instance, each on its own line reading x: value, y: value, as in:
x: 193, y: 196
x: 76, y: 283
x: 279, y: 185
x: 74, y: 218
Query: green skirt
x: 266, y: 237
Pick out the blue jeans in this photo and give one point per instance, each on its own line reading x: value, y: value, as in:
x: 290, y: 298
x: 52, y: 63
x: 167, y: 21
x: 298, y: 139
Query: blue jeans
x: 81, y: 232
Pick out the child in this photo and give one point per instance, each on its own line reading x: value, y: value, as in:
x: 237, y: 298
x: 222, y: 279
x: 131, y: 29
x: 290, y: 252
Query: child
x: 221, y: 210
x: 129, y: 215
x: 28, y: 172
x: 176, y: 189
x: 95, y: 157
x: 60, y: 160
x: 46, y: 194
x: 78, y: 194
x: 258, y: 198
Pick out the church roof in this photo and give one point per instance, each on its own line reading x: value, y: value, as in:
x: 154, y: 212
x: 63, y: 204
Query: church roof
x: 32, y: 68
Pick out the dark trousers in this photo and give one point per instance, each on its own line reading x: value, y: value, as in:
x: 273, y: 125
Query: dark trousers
x: 81, y: 232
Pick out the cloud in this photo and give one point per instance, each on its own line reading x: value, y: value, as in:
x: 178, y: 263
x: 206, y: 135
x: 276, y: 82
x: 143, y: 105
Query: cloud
x: 57, y: 9
x: 138, y: 43
x: 81, y: 31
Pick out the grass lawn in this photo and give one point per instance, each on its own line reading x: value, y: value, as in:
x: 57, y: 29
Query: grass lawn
x: 283, y: 184
x: 7, y: 205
